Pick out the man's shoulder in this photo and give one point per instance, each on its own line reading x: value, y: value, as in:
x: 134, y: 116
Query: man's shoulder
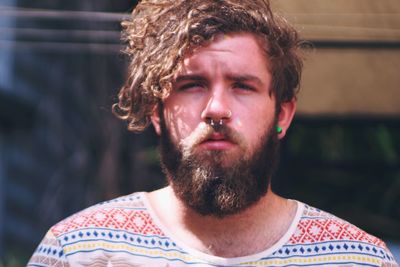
x: 319, y: 231
x: 126, y: 213
x: 319, y: 225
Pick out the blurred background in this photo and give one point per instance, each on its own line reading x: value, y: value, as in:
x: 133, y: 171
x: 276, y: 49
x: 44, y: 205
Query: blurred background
x: 62, y: 150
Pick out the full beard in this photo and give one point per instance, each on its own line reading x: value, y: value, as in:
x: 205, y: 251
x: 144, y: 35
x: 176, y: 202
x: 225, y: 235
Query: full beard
x: 213, y: 182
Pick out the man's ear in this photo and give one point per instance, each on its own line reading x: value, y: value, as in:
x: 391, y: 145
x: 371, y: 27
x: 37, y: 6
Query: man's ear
x: 285, y: 116
x: 155, y: 119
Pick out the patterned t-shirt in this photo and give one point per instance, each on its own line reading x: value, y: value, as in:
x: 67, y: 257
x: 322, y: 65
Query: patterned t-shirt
x: 126, y: 232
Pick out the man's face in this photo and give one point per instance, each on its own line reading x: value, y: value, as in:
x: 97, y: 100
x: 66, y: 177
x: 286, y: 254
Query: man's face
x: 220, y: 170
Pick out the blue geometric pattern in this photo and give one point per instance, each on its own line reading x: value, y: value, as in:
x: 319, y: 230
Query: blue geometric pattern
x: 126, y: 232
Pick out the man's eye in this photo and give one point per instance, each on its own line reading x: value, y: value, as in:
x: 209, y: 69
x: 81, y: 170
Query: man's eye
x: 190, y: 86
x: 244, y: 87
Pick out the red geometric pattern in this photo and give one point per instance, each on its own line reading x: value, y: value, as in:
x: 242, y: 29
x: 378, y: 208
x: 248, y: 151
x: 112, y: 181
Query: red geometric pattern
x: 319, y: 230
x: 137, y: 221
x: 131, y: 214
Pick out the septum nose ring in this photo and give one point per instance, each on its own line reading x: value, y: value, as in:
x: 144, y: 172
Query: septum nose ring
x: 221, y: 121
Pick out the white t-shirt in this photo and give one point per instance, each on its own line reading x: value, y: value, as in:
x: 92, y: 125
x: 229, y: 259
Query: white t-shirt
x: 125, y: 232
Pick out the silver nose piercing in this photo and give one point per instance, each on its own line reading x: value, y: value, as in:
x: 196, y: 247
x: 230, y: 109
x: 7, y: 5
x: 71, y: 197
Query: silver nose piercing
x: 220, y: 123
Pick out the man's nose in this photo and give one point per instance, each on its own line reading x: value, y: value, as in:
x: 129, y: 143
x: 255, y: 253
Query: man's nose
x: 217, y: 108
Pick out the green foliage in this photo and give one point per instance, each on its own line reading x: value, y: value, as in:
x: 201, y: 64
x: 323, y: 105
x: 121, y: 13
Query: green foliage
x: 348, y: 167
x: 13, y: 259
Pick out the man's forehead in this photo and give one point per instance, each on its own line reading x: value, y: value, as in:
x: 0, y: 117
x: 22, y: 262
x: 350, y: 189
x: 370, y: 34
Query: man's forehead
x: 238, y: 77
x: 236, y: 55
x: 228, y: 42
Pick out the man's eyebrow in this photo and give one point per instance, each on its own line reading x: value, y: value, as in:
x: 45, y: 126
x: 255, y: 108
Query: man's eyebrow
x: 245, y: 78
x: 189, y: 77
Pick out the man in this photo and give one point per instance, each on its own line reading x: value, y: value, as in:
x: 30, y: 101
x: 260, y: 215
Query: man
x: 218, y: 81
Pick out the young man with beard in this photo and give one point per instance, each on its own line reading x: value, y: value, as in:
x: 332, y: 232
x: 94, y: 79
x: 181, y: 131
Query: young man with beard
x: 218, y: 81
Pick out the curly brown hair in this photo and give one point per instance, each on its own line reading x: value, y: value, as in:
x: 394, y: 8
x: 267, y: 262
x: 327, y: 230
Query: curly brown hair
x: 160, y: 33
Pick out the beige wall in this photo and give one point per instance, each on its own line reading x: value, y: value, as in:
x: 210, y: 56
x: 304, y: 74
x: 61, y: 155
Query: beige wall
x: 348, y: 80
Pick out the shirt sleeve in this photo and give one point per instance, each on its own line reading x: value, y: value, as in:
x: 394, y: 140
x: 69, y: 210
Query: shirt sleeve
x: 388, y: 260
x: 48, y: 253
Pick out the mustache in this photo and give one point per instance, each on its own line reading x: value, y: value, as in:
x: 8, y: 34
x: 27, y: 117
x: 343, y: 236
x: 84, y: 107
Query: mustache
x: 205, y: 131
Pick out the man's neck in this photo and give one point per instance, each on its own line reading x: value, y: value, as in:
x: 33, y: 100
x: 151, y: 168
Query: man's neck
x: 251, y: 231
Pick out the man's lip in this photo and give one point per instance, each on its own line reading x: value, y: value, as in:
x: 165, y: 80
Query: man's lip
x: 217, y: 141
x: 214, y: 144
x: 217, y: 137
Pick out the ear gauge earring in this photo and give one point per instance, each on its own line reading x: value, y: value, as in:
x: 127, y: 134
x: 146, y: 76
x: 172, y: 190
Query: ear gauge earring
x: 279, y: 129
